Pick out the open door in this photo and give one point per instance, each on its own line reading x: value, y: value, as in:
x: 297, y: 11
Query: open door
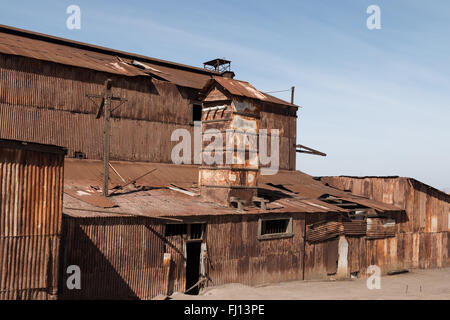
x: 193, y: 249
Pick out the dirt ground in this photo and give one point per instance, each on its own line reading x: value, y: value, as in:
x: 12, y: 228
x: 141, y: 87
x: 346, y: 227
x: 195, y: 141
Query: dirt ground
x: 416, y: 284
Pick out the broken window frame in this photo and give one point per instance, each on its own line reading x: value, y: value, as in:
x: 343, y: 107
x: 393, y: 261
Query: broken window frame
x: 187, y: 232
x: 266, y: 236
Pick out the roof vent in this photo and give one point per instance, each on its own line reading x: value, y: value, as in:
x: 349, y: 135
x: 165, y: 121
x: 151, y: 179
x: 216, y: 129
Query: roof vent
x: 218, y: 65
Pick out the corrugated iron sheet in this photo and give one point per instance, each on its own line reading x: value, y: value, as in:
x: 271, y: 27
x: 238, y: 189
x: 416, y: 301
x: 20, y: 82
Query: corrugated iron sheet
x: 30, y: 219
x: 153, y: 198
x: 236, y: 256
x: 119, y: 258
x: 50, y: 100
x: 49, y: 48
x: 421, y: 234
x: 244, y: 89
x: 324, y: 231
x: 427, y: 209
x: 355, y: 228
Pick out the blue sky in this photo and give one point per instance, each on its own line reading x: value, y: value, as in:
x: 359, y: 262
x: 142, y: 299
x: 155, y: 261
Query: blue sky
x: 376, y: 101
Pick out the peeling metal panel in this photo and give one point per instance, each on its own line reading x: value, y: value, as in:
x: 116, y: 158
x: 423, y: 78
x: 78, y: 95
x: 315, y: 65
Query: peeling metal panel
x: 235, y: 168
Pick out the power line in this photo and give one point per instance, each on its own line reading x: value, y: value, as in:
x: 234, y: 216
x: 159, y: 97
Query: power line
x: 278, y: 91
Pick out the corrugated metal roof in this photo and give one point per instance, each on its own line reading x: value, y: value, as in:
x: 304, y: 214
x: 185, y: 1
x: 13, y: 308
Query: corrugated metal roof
x: 34, y: 45
x: 151, y: 196
x: 14, y: 41
x: 42, y: 50
x: 444, y: 194
x: 245, y: 89
x: 306, y: 186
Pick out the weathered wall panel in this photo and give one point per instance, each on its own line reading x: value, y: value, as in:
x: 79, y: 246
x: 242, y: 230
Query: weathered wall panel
x: 122, y: 258
x: 30, y: 221
x: 427, y: 209
x: 119, y: 258
x: 421, y: 235
x: 49, y: 100
x: 236, y: 255
x: 82, y: 132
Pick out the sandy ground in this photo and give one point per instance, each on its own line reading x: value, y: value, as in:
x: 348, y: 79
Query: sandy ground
x: 416, y: 284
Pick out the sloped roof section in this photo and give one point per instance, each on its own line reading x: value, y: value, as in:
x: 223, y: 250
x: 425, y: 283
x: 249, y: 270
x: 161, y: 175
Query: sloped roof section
x: 305, y: 186
x: 243, y: 89
x: 39, y: 46
x: 171, y: 190
x: 14, y: 41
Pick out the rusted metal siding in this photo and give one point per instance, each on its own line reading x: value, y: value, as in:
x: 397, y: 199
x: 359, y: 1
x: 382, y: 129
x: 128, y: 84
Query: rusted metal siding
x: 122, y: 257
x: 421, y: 235
x: 31, y: 183
x: 19, y: 42
x: 50, y: 101
x: 427, y: 209
x: 236, y: 255
x: 119, y: 257
x: 40, y: 84
x: 317, y: 252
x: 285, y: 120
x: 82, y: 132
x: 238, y: 125
x: 409, y: 250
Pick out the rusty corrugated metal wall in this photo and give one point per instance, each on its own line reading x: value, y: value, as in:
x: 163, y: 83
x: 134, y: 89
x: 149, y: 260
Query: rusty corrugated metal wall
x: 31, y: 183
x: 49, y: 100
x: 236, y: 255
x: 421, y: 239
x: 119, y: 257
x: 122, y: 257
x: 285, y: 120
x: 318, y: 252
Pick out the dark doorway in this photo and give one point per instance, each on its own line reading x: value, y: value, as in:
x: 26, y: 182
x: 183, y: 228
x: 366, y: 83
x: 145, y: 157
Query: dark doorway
x: 192, y: 265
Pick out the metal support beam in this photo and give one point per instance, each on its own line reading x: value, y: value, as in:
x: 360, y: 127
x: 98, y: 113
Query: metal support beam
x: 309, y: 150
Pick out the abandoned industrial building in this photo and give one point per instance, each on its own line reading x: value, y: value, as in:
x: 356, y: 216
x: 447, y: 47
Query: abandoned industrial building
x: 87, y: 180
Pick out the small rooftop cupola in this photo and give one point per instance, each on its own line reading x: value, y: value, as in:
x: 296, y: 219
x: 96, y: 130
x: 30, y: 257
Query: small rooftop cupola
x: 220, y: 65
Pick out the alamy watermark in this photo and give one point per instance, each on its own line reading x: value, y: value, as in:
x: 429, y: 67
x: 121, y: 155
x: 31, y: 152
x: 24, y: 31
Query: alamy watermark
x: 74, y: 280
x: 374, y: 280
x: 74, y: 20
x: 374, y: 20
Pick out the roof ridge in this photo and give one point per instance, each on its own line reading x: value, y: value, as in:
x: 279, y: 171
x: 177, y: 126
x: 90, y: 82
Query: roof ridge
x: 100, y: 49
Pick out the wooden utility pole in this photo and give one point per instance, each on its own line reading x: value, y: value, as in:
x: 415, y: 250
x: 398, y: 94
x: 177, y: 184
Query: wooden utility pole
x: 292, y: 94
x: 106, y: 136
x: 105, y: 106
